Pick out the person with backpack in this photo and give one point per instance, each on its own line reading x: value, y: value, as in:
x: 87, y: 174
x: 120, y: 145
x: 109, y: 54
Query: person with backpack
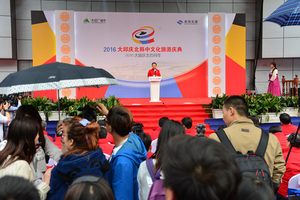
x: 81, y: 156
x: 245, y: 138
x: 150, y: 170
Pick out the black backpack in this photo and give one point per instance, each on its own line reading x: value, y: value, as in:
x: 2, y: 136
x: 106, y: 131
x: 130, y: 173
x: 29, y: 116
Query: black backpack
x: 251, y: 164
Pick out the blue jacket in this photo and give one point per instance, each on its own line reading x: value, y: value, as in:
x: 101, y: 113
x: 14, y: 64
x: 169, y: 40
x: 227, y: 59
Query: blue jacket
x: 72, y: 166
x: 124, y: 168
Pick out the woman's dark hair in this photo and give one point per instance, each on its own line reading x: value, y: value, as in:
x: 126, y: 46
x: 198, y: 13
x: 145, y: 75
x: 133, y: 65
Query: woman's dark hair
x: 15, y: 187
x: 90, y: 190
x: 29, y: 110
x: 20, y: 141
x: 85, y: 136
x: 251, y: 188
x: 88, y: 113
x: 200, y: 168
x: 120, y: 119
x: 293, y: 141
x: 274, y: 64
x: 169, y: 130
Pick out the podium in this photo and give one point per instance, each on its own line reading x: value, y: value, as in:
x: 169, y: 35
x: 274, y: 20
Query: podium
x: 154, y: 88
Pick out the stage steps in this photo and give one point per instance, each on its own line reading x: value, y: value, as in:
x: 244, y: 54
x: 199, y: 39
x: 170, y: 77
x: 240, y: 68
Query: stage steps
x: 149, y: 115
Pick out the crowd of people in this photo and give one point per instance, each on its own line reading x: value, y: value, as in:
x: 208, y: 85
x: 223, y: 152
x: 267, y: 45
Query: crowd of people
x: 114, y: 158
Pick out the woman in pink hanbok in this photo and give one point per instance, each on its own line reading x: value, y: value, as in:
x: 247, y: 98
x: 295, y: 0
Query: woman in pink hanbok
x: 274, y: 85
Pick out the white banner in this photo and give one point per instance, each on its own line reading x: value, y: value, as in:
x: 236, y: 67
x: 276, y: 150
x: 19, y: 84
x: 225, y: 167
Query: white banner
x: 216, y: 54
x: 125, y: 44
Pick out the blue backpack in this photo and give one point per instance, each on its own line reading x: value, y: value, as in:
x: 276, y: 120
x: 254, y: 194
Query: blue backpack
x: 157, y: 191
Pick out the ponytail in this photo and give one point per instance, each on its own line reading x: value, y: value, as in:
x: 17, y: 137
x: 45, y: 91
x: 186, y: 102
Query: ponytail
x: 85, y: 135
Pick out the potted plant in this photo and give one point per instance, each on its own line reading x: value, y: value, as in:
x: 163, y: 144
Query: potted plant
x: 68, y: 107
x: 42, y: 104
x: 267, y: 107
x: 217, y: 105
x: 291, y: 104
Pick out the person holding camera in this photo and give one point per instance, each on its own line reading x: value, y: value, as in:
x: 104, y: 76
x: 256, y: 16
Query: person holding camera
x: 14, y: 106
x: 4, y: 116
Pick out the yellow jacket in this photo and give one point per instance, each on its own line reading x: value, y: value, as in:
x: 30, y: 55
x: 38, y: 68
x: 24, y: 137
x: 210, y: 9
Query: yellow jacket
x: 245, y: 137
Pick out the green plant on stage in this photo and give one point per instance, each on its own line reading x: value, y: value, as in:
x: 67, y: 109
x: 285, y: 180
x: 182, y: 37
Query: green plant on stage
x: 292, y: 102
x: 218, y: 101
x: 262, y: 104
x: 69, y: 106
x: 72, y: 110
x: 41, y: 104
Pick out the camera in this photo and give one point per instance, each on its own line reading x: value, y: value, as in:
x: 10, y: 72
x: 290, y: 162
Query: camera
x: 200, y: 128
x: 59, y: 134
x: 38, y: 144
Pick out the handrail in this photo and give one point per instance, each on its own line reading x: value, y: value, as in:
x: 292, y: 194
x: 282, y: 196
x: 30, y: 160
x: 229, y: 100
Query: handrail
x: 290, y: 87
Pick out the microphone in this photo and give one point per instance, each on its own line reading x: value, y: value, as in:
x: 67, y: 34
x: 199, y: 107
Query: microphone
x: 155, y: 71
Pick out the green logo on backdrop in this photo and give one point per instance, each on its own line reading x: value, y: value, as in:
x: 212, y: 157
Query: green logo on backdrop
x: 86, y: 20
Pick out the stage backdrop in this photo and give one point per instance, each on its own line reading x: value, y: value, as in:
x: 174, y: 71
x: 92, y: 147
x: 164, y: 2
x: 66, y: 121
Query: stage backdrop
x: 125, y: 44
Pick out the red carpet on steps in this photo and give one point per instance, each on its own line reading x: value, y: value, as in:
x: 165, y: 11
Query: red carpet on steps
x: 148, y: 113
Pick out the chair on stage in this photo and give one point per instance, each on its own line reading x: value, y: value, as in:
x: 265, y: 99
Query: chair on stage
x: 294, y: 188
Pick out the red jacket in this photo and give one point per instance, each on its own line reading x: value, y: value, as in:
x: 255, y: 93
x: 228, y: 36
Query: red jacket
x: 288, y: 129
x: 152, y: 73
x: 292, y: 169
x: 282, y: 140
x: 110, y: 138
x: 106, y: 147
x: 154, y: 134
x: 50, y: 138
x: 191, y: 132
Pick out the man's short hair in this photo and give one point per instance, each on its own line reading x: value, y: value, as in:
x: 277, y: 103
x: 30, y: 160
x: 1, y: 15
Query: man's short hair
x: 120, y: 119
x: 193, y: 173
x: 275, y: 129
x: 285, y: 118
x: 187, y: 122
x: 291, y: 139
x: 146, y: 140
x: 238, y: 103
x: 103, y: 130
x: 153, y: 63
x: 162, y: 121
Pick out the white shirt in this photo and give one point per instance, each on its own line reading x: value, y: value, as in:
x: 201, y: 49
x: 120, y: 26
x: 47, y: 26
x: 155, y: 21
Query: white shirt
x: 3, y: 120
x: 145, y: 181
x: 117, y: 148
x: 274, y: 74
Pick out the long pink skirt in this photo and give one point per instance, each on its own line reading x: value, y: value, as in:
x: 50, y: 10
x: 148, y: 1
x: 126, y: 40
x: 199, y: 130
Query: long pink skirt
x: 274, y: 87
